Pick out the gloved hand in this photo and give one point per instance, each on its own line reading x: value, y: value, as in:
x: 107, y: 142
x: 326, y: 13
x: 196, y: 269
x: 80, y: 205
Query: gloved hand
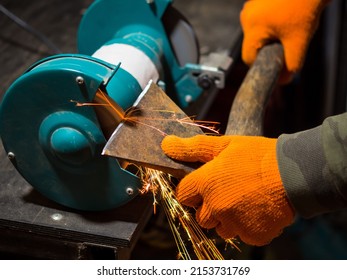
x: 238, y: 190
x: 292, y: 22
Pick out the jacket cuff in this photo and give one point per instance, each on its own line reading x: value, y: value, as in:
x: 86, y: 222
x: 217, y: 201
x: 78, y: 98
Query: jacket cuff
x: 308, y: 181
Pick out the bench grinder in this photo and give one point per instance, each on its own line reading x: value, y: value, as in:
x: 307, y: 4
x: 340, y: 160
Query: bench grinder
x: 122, y: 45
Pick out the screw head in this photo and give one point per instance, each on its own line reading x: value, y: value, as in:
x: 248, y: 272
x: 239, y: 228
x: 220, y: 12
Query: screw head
x: 79, y: 80
x: 205, y: 82
x: 130, y: 191
x: 56, y: 216
x: 11, y: 155
x: 188, y: 98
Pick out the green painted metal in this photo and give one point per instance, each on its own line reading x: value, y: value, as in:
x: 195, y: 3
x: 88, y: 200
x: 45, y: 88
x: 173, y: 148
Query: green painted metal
x: 123, y: 88
x: 139, y: 24
x: 56, y: 144
x: 136, y: 15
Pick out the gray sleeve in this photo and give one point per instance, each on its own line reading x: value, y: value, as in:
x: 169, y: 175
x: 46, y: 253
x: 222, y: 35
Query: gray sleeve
x: 313, y: 167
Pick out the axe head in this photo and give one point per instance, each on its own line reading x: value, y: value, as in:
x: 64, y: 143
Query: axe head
x: 137, y: 139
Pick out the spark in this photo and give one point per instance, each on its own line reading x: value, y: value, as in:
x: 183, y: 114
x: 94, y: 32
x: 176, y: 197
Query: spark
x: 81, y: 104
x: 208, y: 125
x: 103, y: 100
x: 232, y: 243
x: 133, y: 116
x: 161, y: 185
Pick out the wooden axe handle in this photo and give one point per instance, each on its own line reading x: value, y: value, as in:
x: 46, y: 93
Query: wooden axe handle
x: 247, y: 111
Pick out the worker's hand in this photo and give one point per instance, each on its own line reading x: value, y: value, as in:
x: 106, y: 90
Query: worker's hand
x: 292, y: 22
x: 238, y: 190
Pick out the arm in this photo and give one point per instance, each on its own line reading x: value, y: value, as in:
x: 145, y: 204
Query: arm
x: 252, y: 186
x: 313, y: 167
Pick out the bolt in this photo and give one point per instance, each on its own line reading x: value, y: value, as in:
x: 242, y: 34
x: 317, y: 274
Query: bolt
x: 161, y: 84
x: 205, y: 82
x: 130, y: 191
x: 11, y: 155
x: 79, y: 80
x: 56, y: 216
x: 188, y: 98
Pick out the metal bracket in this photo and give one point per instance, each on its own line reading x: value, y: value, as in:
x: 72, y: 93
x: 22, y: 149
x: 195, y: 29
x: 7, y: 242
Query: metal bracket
x: 212, y: 71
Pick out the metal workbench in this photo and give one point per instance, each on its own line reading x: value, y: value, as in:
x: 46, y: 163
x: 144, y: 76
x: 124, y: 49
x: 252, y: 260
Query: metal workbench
x: 31, y: 226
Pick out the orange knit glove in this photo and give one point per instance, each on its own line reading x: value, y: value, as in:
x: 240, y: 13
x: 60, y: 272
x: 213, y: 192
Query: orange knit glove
x: 238, y: 190
x: 292, y: 22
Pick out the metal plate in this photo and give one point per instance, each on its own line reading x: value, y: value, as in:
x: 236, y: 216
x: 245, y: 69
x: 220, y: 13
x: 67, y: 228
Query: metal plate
x: 138, y: 139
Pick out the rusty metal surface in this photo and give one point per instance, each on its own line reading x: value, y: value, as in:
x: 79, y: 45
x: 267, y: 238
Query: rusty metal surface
x: 138, y: 138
